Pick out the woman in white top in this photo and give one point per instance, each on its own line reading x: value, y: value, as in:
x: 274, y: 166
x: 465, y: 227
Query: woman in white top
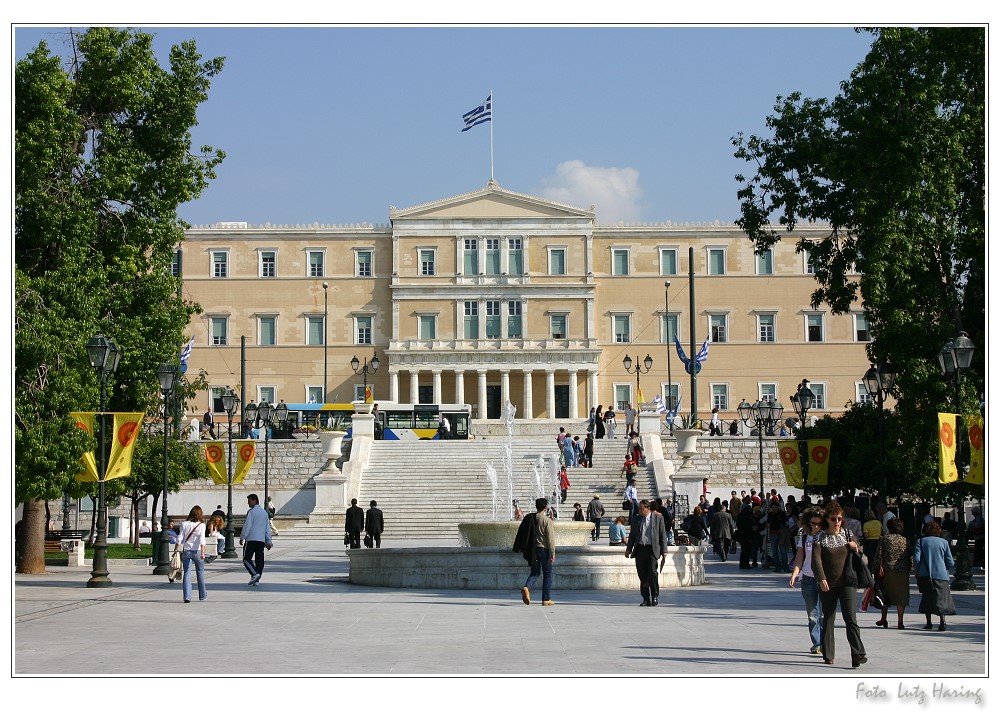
x: 609, y: 423
x: 191, y: 542
x: 811, y: 522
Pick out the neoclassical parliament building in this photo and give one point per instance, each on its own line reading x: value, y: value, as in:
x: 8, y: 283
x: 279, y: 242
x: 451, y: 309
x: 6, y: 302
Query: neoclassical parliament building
x: 495, y: 295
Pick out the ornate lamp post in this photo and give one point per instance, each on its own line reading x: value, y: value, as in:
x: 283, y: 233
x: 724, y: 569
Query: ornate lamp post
x: 764, y: 414
x: 104, y: 356
x: 879, y: 380
x: 802, y: 402
x: 956, y: 356
x: 647, y: 362
x: 166, y: 374
x: 266, y: 416
x: 359, y: 370
x: 230, y: 403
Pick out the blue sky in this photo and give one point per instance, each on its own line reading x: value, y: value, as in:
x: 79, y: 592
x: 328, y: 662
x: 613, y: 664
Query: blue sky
x: 334, y: 124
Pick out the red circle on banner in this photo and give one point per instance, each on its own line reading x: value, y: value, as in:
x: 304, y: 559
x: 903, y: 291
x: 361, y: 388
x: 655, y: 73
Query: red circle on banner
x: 788, y: 455
x: 819, y: 454
x: 213, y: 453
x: 246, y: 452
x: 82, y: 426
x: 127, y: 433
x: 947, y: 435
x: 976, y: 437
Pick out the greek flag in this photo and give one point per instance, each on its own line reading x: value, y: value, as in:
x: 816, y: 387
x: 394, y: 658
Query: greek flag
x: 661, y: 407
x: 479, y: 115
x: 186, y: 351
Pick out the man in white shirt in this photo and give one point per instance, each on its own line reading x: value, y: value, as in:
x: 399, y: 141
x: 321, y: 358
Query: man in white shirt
x: 255, y: 537
x: 885, y: 515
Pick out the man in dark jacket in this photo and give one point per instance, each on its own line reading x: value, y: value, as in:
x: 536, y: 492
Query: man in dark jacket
x: 354, y: 523
x: 374, y: 524
x: 648, y: 542
x: 536, y: 542
x: 595, y: 511
x: 744, y: 535
x: 721, y: 528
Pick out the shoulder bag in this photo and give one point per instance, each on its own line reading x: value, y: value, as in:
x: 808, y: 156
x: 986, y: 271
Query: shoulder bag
x: 176, y: 566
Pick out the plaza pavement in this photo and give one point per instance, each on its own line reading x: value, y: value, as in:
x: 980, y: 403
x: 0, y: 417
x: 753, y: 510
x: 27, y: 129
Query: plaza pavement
x: 306, y: 619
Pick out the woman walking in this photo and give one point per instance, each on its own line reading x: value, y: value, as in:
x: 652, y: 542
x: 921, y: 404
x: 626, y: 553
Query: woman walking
x: 191, y: 541
x: 830, y: 556
x: 810, y: 523
x: 696, y: 527
x: 891, y: 568
x: 609, y: 423
x: 599, y: 422
x: 872, y: 529
x: 933, y: 558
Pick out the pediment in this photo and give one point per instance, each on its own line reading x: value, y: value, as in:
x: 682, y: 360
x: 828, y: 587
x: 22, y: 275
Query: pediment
x: 492, y: 202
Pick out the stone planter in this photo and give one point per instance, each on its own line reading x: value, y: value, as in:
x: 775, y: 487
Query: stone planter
x: 333, y: 441
x: 687, y: 442
x: 362, y: 407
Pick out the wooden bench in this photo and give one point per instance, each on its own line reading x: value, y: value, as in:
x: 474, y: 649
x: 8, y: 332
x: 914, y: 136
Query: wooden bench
x: 52, y: 546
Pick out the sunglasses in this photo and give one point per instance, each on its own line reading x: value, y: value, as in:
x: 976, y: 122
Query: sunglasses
x: 836, y: 519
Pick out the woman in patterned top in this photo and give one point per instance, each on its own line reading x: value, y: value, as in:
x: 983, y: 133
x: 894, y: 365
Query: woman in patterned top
x: 895, y: 557
x: 830, y: 553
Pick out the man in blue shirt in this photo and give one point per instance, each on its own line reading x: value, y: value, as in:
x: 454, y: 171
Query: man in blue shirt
x: 256, y: 536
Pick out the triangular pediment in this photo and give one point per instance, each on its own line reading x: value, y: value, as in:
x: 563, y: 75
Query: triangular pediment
x: 492, y: 202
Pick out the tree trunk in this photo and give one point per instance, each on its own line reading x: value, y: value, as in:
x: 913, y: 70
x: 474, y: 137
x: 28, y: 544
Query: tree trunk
x: 32, y: 559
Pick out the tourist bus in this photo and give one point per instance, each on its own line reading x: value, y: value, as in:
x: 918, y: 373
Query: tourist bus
x: 395, y: 421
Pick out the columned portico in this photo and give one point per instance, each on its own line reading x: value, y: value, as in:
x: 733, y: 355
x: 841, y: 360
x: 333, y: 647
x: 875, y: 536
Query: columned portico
x: 394, y: 386
x: 529, y: 407
x: 414, y: 386
x: 550, y: 392
x: 436, y: 381
x: 482, y: 392
x: 504, y: 387
x: 460, y: 386
x: 591, y: 390
x: 573, y: 411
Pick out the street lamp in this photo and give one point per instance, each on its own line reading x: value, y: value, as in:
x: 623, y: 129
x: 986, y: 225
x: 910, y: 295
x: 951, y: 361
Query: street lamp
x: 326, y: 310
x: 764, y: 414
x: 879, y: 380
x: 359, y: 370
x: 956, y: 356
x: 230, y: 404
x: 670, y: 379
x: 802, y: 402
x: 166, y: 374
x: 266, y: 416
x: 104, y: 356
x: 647, y: 362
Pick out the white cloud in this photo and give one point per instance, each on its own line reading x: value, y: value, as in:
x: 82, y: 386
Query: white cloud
x: 614, y: 191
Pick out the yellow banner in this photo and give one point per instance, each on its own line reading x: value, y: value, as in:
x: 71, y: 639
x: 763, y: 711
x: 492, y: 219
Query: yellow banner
x: 977, y: 450
x: 123, y: 444
x: 85, y: 421
x: 947, y: 472
x: 215, y: 456
x: 368, y: 395
x: 788, y: 451
x: 638, y: 393
x: 246, y: 451
x: 819, y: 461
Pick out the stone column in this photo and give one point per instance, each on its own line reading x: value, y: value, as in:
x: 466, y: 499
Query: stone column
x: 529, y: 407
x: 482, y: 393
x: 573, y: 409
x: 414, y: 386
x: 436, y: 380
x: 394, y: 386
x: 550, y: 393
x: 504, y: 387
x: 460, y: 386
x: 591, y: 390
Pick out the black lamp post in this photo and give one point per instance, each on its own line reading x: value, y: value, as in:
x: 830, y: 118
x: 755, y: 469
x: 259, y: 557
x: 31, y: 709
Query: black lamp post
x: 230, y: 404
x: 326, y: 309
x: 802, y: 403
x: 956, y: 356
x: 647, y: 362
x: 879, y: 380
x: 266, y: 416
x: 764, y: 414
x: 359, y: 369
x: 670, y: 379
x: 104, y: 356
x: 166, y: 374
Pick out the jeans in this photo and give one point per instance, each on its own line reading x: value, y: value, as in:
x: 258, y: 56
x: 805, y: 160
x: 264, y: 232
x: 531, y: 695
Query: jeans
x: 779, y: 554
x: 847, y: 596
x: 199, y: 567
x: 596, y: 534
x: 810, y: 594
x: 541, y: 565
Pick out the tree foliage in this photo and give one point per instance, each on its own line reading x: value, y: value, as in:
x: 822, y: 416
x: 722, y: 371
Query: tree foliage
x: 103, y: 158
x: 895, y: 164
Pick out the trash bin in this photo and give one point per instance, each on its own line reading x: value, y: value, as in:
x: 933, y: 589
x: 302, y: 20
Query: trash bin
x: 113, y: 525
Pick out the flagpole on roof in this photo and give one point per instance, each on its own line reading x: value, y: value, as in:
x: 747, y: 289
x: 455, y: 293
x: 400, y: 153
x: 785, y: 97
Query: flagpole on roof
x: 491, y: 135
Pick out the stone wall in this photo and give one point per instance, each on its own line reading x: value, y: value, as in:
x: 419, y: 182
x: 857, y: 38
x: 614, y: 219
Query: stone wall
x: 733, y: 463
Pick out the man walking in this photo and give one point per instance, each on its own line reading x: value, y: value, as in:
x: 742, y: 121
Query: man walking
x: 354, y: 523
x: 595, y: 511
x: 208, y: 422
x: 722, y: 528
x: 648, y: 542
x: 536, y: 542
x: 374, y: 524
x: 254, y: 538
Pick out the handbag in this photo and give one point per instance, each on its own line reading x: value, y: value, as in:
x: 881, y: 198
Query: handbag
x: 867, y: 598
x: 347, y: 538
x: 176, y: 567
x: 627, y: 505
x: 856, y: 572
x: 368, y: 541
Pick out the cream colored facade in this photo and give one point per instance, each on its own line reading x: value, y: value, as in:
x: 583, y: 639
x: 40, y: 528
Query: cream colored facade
x: 495, y: 295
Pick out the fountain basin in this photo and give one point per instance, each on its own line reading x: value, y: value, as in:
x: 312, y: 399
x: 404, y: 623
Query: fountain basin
x: 501, y: 534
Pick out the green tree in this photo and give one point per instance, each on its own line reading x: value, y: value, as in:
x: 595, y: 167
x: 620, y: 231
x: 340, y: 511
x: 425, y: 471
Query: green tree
x: 103, y: 158
x: 895, y: 164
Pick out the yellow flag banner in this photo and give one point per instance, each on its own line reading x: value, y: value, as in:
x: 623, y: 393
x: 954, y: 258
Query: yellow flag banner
x: 85, y: 421
x: 247, y: 450
x: 215, y: 456
x: 638, y: 393
x: 819, y: 462
x: 368, y: 395
x: 977, y: 450
x: 947, y: 472
x: 788, y: 451
x: 123, y: 444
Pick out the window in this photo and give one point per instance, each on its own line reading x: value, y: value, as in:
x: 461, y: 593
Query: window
x: 220, y: 330
x: 861, y: 328
x: 427, y: 260
x: 175, y: 264
x: 472, y: 320
x: 219, y: 391
x: 557, y: 260
x: 492, y: 255
x: 316, y: 263
x: 669, y: 328
x: 267, y: 394
x: 515, y: 256
x: 622, y: 328
x: 514, y: 320
x: 557, y: 326
x: 819, y: 395
x: 315, y: 331
x: 717, y: 323
x: 314, y: 394
x: 220, y: 264
x: 267, y: 329
x: 716, y: 260
x: 765, y: 328
x: 765, y: 263
x: 810, y: 265
x: 619, y: 262
x: 671, y: 394
x: 668, y: 260
x: 623, y: 396
x: 720, y: 396
x: 363, y: 329
x: 768, y: 392
x: 471, y: 259
x: 268, y: 267
x: 364, y: 262
x: 863, y: 396
x: 814, y: 327
x: 427, y: 326
x: 493, y: 319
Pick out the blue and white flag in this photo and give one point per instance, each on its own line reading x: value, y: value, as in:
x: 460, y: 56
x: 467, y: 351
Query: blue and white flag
x: 479, y: 115
x: 661, y: 407
x: 700, y: 357
x: 186, y: 351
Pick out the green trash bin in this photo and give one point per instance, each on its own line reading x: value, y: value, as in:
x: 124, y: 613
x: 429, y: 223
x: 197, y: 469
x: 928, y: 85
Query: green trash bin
x: 113, y: 525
